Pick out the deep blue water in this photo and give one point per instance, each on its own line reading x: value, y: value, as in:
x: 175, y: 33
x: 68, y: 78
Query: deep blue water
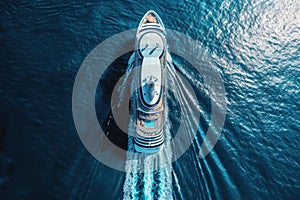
x: 253, y: 45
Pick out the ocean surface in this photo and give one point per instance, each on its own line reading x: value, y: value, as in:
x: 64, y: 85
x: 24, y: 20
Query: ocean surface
x: 253, y: 46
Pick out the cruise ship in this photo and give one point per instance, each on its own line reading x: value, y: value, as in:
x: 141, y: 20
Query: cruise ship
x: 150, y: 100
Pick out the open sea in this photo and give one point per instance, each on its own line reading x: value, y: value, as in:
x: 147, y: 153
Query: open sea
x: 253, y: 46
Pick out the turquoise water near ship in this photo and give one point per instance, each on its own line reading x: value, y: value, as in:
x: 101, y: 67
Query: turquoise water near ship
x: 253, y: 45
